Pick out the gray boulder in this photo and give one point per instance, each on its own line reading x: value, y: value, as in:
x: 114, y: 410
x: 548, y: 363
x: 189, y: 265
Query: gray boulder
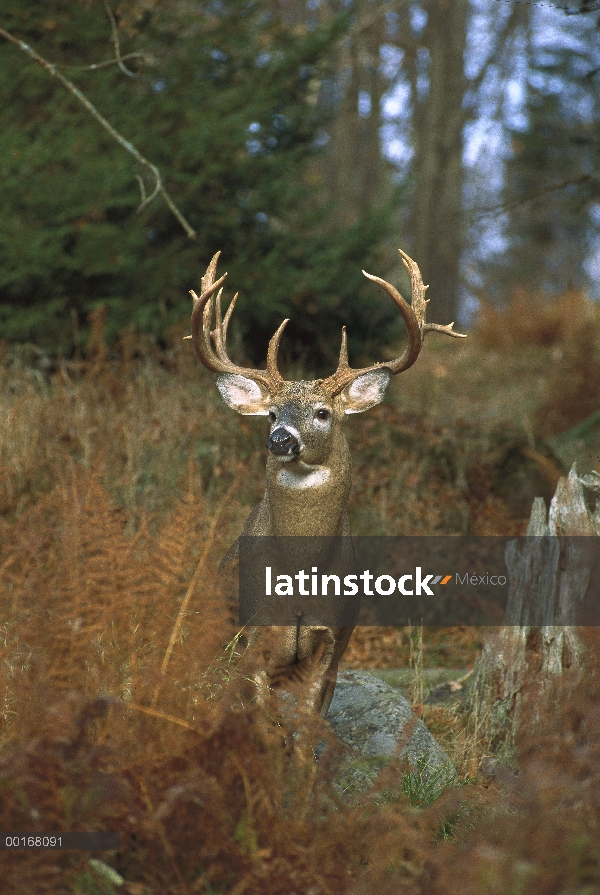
x: 374, y: 719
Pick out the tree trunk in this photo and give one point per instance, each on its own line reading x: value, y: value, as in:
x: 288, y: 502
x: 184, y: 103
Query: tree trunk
x: 438, y: 127
x: 353, y: 164
x: 546, y: 582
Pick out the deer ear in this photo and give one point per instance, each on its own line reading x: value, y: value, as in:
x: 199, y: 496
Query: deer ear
x: 244, y: 395
x: 366, y: 390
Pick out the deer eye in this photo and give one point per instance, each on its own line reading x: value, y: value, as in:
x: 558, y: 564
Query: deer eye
x: 322, y: 414
x: 272, y: 416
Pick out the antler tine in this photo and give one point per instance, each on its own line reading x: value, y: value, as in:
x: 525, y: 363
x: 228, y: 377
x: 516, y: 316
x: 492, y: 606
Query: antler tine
x: 219, y: 333
x: 272, y: 353
x: 343, y: 361
x: 414, y: 318
x: 217, y: 359
x: 229, y: 313
x: 209, y: 277
x: 343, y: 375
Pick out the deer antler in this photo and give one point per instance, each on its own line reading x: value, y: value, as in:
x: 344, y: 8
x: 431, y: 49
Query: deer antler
x: 217, y: 360
x: 414, y: 318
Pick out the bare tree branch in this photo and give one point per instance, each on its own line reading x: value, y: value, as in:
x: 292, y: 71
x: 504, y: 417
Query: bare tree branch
x: 143, y: 57
x: 118, y: 60
x: 142, y: 187
x: 129, y: 147
x: 115, y: 39
x: 517, y: 203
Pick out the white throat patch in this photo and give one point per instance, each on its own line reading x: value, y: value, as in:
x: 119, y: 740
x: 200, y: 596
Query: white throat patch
x: 302, y: 476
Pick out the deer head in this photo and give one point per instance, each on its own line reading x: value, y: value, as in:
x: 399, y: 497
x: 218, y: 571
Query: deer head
x: 304, y: 416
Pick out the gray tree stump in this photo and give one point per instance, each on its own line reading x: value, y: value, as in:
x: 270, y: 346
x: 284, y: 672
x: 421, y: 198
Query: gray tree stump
x: 548, y: 580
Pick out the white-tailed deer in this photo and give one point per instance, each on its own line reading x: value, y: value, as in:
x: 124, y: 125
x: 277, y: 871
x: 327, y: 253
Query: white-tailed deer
x: 308, y: 467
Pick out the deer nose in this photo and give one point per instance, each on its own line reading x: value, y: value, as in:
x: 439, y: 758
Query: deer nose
x: 282, y: 442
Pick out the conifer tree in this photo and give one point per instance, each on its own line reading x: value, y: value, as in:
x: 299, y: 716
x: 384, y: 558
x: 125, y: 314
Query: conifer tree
x: 224, y: 98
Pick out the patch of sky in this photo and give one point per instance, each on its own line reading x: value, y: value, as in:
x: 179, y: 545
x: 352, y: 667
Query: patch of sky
x: 391, y: 24
x: 390, y: 61
x: 490, y: 94
x: 262, y: 60
x: 559, y: 38
x: 254, y: 147
x: 547, y: 59
x: 364, y: 104
x: 418, y: 19
x: 397, y: 150
x: 480, y: 36
x: 514, y: 106
x: 395, y: 133
x: 254, y: 127
x: 396, y: 102
x: 322, y: 139
x: 482, y: 138
x: 422, y: 62
x: 577, y: 104
x: 218, y: 55
x: 581, y: 66
x: 159, y: 85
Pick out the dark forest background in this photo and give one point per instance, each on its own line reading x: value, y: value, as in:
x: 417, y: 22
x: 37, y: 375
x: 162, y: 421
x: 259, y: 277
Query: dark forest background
x: 304, y: 140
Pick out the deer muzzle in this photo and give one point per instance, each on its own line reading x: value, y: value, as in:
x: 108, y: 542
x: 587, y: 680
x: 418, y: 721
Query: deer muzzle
x: 283, y: 443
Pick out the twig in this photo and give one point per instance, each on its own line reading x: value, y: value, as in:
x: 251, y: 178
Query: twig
x: 162, y: 834
x: 129, y: 147
x: 517, y: 203
x: 142, y: 187
x: 115, y: 40
x: 156, y: 713
x: 95, y: 65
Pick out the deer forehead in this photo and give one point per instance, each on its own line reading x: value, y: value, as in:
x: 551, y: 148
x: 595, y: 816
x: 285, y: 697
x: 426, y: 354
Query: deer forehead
x: 301, y: 395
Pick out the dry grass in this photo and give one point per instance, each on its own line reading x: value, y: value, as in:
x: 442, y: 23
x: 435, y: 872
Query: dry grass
x: 569, y: 328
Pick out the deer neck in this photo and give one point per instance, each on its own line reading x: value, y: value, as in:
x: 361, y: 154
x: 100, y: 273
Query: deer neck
x: 310, y: 500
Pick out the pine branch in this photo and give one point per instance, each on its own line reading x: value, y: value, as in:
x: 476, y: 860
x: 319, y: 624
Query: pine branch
x: 129, y: 147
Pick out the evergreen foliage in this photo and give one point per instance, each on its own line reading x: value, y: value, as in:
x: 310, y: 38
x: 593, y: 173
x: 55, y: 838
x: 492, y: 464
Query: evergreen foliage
x: 229, y: 110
